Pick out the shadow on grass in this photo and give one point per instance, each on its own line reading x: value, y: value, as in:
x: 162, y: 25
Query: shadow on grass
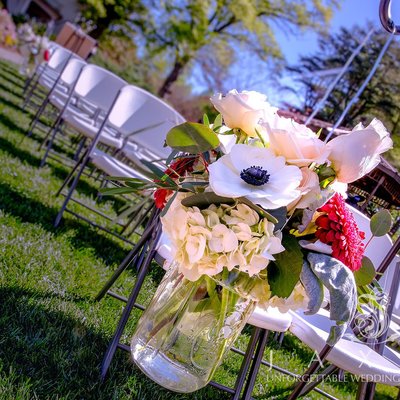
x: 10, y: 69
x: 18, y: 84
x: 32, y: 211
x: 51, y: 353
x: 60, y: 173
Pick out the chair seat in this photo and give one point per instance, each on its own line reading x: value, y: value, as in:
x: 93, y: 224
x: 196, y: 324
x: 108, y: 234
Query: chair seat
x: 352, y: 356
x: 113, y: 167
x: 89, y: 128
x: 59, y: 98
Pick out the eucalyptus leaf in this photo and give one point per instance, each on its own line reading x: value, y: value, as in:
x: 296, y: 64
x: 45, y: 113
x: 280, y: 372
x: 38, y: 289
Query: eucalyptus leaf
x: 168, y: 205
x: 123, y: 179
x: 366, y: 274
x: 284, y: 272
x: 191, y: 137
x: 280, y: 215
x: 172, y: 156
x: 381, y: 223
x: 339, y: 281
x: 117, y: 190
x: 313, y: 287
x: 206, y: 121
x: 203, y: 200
x: 160, y: 174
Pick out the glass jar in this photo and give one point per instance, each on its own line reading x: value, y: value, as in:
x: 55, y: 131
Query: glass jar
x: 188, y: 327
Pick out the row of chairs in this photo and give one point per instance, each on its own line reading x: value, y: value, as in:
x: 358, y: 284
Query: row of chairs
x: 117, y: 124
x: 120, y: 124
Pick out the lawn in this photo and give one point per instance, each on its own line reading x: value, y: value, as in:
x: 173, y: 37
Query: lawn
x: 53, y: 334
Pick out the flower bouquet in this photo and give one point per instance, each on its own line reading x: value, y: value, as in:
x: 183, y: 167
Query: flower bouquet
x: 34, y: 48
x: 254, y: 213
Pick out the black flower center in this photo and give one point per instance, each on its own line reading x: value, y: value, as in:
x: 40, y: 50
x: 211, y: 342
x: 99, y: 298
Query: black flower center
x: 255, y: 176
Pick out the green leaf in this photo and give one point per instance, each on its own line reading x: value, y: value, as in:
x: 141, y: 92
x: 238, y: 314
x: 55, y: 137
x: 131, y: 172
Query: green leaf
x: 203, y: 200
x: 161, y: 175
x: 284, y: 272
x: 381, y: 223
x: 313, y: 287
x: 168, y: 205
x: 339, y: 281
x: 117, y: 190
x: 192, y: 138
x: 218, y: 120
x: 280, y: 215
x: 171, y: 156
x: 366, y: 274
x: 206, y: 121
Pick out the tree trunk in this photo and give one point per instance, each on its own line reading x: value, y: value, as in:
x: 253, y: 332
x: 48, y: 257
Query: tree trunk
x: 102, y: 24
x: 171, y: 78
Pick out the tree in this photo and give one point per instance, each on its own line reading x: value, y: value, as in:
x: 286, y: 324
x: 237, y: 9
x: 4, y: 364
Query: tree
x: 381, y: 98
x: 106, y: 13
x: 181, y: 30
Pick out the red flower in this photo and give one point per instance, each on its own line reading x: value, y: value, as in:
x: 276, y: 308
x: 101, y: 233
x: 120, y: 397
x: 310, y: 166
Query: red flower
x: 46, y: 55
x: 176, y: 170
x: 337, y: 228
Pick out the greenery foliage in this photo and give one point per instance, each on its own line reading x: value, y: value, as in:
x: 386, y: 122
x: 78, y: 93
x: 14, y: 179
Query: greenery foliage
x: 381, y: 97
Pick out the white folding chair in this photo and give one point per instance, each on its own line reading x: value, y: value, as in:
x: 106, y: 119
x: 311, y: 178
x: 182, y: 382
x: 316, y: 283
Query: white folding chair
x: 60, y: 89
x: 49, y: 71
x: 96, y: 88
x: 123, y: 119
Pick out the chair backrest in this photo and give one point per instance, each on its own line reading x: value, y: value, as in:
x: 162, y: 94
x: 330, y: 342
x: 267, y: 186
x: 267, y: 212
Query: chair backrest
x: 72, y: 70
x: 376, y: 251
x: 98, y: 86
x: 144, y: 118
x: 59, y: 59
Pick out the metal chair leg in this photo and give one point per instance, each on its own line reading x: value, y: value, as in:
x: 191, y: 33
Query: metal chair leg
x: 131, y: 256
x: 248, y: 390
x: 129, y: 305
x: 67, y: 180
x: 305, y: 378
x: 53, y: 131
x: 320, y: 377
x: 244, y: 368
x: 71, y: 189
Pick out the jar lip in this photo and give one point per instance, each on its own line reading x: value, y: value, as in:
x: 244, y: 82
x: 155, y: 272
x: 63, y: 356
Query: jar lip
x: 239, y: 282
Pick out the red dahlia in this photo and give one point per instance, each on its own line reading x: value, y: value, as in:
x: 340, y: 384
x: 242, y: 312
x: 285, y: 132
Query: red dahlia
x: 337, y: 228
x: 176, y: 170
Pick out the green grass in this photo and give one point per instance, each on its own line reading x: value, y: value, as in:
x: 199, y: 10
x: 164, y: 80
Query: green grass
x: 53, y: 335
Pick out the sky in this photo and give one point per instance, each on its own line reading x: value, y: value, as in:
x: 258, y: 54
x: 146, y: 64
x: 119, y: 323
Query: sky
x: 351, y: 12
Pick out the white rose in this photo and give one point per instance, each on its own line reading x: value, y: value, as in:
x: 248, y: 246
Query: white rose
x: 243, y: 110
x: 309, y: 188
x: 297, y: 143
x: 355, y: 154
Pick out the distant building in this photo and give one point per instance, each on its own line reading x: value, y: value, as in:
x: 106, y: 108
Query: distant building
x: 58, y: 11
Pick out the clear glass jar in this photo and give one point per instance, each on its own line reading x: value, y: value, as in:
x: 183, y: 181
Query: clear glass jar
x: 187, y: 329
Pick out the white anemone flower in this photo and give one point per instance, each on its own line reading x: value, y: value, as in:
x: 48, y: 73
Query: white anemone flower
x: 257, y: 174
